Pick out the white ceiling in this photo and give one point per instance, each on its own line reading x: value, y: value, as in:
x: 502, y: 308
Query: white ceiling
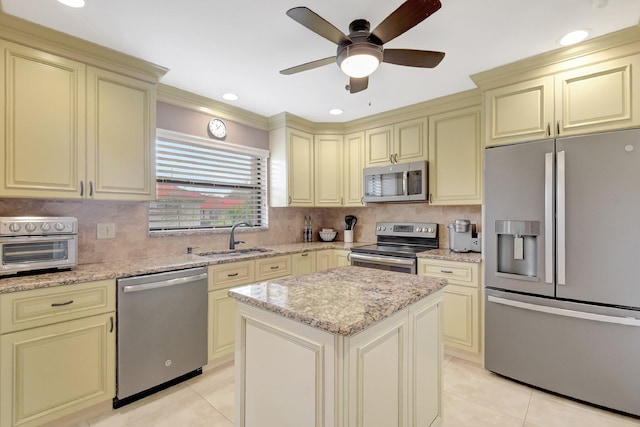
x: 214, y: 46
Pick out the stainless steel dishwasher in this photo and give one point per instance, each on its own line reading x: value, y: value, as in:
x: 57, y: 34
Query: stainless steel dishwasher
x: 162, y: 331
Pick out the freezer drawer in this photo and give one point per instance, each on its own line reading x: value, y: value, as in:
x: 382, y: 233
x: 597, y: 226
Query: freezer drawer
x: 581, y: 351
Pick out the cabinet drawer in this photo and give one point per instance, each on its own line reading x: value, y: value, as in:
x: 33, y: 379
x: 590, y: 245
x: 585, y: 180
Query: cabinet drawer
x: 270, y: 268
x: 461, y: 273
x: 232, y: 274
x: 28, y: 309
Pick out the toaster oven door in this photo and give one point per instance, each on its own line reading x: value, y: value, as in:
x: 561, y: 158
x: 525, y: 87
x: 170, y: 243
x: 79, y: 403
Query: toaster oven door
x: 27, y: 253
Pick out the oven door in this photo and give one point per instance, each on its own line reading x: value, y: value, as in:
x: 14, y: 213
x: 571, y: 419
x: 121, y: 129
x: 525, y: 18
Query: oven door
x: 381, y: 262
x: 27, y: 253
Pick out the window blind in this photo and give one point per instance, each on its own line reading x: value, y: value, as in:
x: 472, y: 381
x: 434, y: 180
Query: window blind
x: 203, y: 184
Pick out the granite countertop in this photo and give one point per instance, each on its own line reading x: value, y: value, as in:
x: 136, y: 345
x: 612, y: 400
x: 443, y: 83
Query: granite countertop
x: 341, y: 301
x: 140, y: 266
x: 449, y: 255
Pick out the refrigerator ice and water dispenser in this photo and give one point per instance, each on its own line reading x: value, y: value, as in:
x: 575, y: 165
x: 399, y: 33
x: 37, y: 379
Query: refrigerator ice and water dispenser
x: 517, y: 249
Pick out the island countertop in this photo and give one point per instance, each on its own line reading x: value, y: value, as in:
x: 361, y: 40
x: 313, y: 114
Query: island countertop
x: 341, y: 301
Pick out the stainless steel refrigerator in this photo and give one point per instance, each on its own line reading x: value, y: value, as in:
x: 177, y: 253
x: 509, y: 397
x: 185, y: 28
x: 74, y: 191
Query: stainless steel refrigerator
x: 562, y: 266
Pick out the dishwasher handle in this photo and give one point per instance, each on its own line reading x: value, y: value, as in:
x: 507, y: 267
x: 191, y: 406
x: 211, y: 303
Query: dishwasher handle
x: 163, y: 283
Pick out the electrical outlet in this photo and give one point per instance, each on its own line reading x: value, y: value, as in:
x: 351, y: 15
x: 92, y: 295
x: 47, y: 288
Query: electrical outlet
x: 106, y: 230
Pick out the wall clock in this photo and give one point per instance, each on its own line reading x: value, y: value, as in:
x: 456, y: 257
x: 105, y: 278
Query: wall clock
x: 217, y: 128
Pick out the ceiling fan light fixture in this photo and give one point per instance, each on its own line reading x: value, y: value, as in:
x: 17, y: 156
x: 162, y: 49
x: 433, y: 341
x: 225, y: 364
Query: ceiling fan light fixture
x: 72, y: 3
x: 359, y: 60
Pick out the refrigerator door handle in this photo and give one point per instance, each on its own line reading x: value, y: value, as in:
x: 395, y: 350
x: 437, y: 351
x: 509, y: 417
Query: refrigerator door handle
x: 548, y: 217
x: 561, y: 220
x: 628, y: 321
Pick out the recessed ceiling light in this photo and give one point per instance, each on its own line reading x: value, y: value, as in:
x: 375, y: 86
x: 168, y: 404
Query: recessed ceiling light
x: 230, y: 96
x: 335, y: 112
x: 72, y: 3
x: 573, y: 37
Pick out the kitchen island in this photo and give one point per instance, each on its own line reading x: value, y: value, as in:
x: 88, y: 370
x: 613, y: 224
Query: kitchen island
x: 350, y: 346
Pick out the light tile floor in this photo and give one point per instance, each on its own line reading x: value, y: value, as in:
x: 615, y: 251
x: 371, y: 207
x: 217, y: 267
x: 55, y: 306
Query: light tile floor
x: 472, y: 397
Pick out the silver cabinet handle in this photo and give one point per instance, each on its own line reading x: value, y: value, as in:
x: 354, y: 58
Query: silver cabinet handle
x: 558, y: 127
x: 164, y: 283
x: 390, y: 158
x: 629, y: 321
x: 90, y: 188
x: 395, y: 158
x: 548, y: 217
x: 81, y: 188
x: 548, y: 129
x: 111, y: 321
x: 561, y: 219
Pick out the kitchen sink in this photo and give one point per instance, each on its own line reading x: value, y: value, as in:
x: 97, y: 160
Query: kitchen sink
x: 234, y: 253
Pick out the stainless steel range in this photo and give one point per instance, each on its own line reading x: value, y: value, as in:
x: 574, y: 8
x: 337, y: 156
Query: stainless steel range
x: 398, y: 244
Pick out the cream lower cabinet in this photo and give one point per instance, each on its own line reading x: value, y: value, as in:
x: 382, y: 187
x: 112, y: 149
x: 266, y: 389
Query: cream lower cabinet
x: 341, y: 257
x: 222, y: 308
x: 57, y: 352
x: 389, y: 375
x: 73, y: 131
x: 455, y: 157
x: 594, y: 98
x: 462, y: 316
x: 303, y: 263
x: 324, y: 259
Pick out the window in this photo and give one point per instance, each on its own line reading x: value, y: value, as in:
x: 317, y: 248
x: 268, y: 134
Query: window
x: 204, y: 185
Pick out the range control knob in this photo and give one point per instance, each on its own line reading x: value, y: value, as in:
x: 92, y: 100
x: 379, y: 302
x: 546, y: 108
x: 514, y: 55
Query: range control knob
x: 30, y: 227
x: 45, y: 226
x: 15, y: 227
x: 59, y: 226
x: 419, y: 229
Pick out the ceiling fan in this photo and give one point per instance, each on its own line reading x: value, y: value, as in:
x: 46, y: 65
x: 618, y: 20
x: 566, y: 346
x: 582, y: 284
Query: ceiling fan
x: 360, y: 53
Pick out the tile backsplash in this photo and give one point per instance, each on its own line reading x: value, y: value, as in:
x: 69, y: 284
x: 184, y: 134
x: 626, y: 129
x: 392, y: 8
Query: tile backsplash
x: 285, y: 225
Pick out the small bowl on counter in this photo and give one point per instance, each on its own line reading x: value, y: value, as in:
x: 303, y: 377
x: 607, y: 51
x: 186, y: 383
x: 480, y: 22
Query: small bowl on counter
x: 328, y: 236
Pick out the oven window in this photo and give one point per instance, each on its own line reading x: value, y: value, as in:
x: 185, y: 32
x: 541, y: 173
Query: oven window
x: 32, y: 252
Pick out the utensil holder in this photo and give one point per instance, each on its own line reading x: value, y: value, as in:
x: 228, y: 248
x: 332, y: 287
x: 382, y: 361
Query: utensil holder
x: 348, y: 236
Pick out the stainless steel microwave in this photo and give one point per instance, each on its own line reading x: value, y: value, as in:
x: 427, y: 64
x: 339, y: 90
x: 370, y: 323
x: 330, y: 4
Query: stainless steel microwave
x: 401, y: 182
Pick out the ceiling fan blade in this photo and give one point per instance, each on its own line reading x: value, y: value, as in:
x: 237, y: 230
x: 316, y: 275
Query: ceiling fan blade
x: 408, y: 15
x: 412, y: 57
x: 309, y: 65
x: 317, y: 24
x: 358, y: 84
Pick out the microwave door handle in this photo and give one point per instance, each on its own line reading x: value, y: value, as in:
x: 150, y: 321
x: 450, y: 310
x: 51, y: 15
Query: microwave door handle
x: 405, y: 178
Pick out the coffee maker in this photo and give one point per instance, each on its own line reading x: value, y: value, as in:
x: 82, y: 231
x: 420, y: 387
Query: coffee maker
x: 463, y: 236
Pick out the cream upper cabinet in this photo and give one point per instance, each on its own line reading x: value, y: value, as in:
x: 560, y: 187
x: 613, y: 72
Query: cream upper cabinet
x: 455, y: 153
x: 74, y: 131
x: 352, y: 169
x: 593, y: 98
x: 121, y: 121
x: 401, y: 142
x: 42, y: 122
x: 291, y: 168
x: 328, y: 156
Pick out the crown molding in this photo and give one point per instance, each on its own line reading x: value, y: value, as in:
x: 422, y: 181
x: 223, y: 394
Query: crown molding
x: 191, y: 101
x: 27, y: 33
x: 609, y: 46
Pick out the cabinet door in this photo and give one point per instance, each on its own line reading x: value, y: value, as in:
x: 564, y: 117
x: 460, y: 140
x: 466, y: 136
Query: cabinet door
x: 300, y: 168
x: 519, y: 112
x: 328, y: 170
x: 303, y: 263
x: 222, y: 321
x: 341, y: 258
x: 273, y: 267
x: 377, y: 373
x: 120, y: 136
x: 455, y: 158
x: 42, y: 120
x: 56, y: 370
x: 600, y: 97
x: 410, y: 142
x: 461, y: 318
x: 324, y: 260
x: 352, y: 170
x: 378, y: 148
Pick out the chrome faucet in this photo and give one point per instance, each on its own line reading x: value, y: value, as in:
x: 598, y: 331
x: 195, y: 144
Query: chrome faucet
x: 232, y: 240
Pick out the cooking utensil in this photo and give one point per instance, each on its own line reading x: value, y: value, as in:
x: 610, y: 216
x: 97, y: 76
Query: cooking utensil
x: 350, y: 221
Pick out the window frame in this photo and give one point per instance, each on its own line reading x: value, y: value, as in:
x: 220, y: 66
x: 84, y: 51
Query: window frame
x: 174, y: 136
